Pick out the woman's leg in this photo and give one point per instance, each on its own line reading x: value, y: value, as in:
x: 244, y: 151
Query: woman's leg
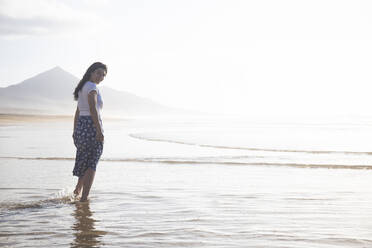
x: 87, y: 183
x: 78, y: 187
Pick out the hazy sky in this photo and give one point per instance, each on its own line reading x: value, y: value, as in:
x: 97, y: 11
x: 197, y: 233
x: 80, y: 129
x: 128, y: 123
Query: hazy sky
x: 250, y: 57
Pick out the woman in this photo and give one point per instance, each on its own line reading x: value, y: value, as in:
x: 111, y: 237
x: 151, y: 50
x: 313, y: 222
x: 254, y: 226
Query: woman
x: 88, y: 131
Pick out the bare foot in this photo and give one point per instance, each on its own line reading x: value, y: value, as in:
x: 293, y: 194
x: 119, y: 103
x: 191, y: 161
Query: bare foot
x: 77, y: 191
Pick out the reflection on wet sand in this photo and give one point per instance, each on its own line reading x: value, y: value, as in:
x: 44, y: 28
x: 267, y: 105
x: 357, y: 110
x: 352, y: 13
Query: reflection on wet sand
x: 84, y: 231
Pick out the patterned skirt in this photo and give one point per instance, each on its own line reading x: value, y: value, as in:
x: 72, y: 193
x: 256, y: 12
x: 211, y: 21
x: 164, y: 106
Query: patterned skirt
x: 89, y: 150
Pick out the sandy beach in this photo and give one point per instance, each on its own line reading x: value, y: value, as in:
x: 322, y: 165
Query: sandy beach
x: 7, y: 119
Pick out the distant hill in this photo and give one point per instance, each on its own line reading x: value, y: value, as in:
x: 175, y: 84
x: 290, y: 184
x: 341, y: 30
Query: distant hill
x: 50, y: 92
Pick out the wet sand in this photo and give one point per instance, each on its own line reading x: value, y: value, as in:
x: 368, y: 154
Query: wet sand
x: 8, y: 119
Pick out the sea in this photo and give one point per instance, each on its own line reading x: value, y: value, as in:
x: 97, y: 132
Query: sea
x: 191, y: 182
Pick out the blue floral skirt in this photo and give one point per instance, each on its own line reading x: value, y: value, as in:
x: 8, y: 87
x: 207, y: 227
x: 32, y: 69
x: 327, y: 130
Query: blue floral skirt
x: 89, y: 150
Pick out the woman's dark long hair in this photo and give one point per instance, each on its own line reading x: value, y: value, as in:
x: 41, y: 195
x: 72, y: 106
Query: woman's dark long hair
x: 86, y: 77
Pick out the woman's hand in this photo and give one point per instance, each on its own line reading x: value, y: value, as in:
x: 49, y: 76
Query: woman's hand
x: 99, y: 136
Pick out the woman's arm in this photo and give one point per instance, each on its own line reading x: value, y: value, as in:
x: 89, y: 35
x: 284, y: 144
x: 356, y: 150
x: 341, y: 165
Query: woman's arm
x: 77, y: 113
x: 92, y: 101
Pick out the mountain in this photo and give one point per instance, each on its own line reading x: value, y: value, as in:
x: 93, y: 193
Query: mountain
x: 50, y: 92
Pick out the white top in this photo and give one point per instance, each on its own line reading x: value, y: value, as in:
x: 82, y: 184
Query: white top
x: 83, y: 104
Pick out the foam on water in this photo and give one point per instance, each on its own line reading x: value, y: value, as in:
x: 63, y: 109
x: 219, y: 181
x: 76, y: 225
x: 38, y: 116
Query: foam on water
x: 63, y: 196
x: 223, y: 160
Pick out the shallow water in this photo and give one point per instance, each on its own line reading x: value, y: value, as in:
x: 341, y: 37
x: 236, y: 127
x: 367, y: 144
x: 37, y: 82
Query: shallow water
x: 164, y: 194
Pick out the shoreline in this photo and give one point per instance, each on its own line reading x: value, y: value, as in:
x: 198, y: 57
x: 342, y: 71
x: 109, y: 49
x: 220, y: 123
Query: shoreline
x: 21, y: 118
x: 9, y: 119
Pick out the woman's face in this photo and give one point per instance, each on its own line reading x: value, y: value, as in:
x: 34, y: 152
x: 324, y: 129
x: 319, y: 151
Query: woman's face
x: 97, y: 75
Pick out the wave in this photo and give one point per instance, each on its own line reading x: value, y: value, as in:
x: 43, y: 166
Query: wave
x: 62, y: 197
x: 138, y: 136
x: 38, y: 158
x: 299, y: 165
x: 201, y: 160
